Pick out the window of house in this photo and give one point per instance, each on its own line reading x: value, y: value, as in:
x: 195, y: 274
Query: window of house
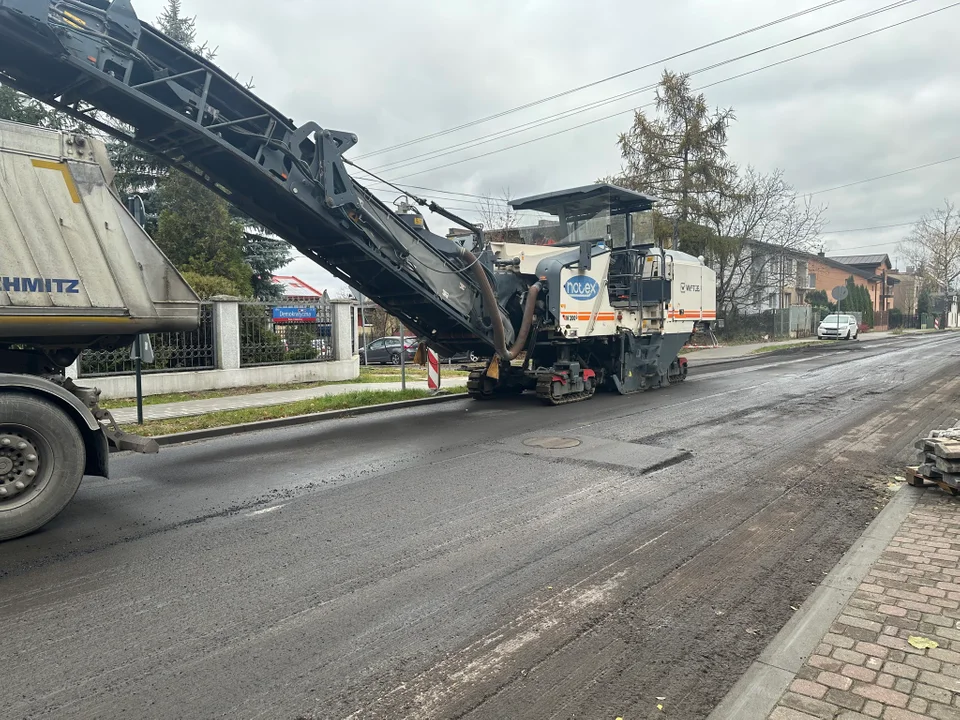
x: 812, y: 280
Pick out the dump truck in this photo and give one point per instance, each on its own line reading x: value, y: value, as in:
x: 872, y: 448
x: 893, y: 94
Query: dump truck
x: 599, y: 305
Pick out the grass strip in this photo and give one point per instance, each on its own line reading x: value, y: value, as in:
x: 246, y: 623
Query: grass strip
x: 345, y: 401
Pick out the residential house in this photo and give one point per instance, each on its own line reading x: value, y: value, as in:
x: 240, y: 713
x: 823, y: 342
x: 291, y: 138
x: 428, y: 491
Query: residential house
x: 906, y: 293
x: 883, y: 282
x: 828, y: 273
x: 296, y: 290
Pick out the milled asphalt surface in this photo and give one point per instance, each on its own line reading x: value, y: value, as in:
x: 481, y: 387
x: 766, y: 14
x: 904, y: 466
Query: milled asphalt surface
x: 428, y: 563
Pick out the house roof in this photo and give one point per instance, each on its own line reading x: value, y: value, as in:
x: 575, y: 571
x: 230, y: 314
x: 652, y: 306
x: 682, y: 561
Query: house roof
x: 811, y: 257
x: 833, y: 262
x: 871, y: 260
x: 294, y: 287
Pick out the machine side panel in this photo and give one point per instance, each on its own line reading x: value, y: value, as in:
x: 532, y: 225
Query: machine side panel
x: 75, y: 262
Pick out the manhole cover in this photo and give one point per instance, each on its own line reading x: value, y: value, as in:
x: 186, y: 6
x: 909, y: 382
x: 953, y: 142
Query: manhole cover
x: 552, y: 443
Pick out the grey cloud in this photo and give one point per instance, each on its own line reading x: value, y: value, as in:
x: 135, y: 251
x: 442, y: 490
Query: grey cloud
x: 391, y: 71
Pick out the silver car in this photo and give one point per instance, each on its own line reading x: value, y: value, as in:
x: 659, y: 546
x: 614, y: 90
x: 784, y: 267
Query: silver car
x: 838, y: 326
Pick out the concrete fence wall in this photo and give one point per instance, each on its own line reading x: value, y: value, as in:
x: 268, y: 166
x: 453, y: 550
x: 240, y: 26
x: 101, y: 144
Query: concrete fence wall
x: 344, y: 365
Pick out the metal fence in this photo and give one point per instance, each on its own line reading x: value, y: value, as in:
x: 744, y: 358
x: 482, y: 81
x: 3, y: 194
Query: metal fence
x: 172, y: 352
x: 271, y: 334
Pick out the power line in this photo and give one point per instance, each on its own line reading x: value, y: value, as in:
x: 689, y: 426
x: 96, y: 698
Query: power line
x: 862, y: 229
x: 864, y: 247
x: 451, y: 192
x: 570, y: 91
x: 702, y: 87
x: 881, y: 177
x: 825, y: 232
x: 517, y: 129
x: 477, y: 210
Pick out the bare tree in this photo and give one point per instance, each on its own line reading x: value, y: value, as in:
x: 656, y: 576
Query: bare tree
x: 758, y: 220
x: 934, y: 247
x: 498, y: 217
x: 382, y: 323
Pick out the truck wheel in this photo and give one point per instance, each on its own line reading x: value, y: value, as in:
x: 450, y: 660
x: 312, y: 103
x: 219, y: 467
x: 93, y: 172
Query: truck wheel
x: 42, y: 457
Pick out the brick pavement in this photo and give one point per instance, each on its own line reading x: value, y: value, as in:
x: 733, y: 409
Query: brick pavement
x: 865, y: 666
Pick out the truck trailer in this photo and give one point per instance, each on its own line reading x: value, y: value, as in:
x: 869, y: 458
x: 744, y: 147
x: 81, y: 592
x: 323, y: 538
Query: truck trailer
x: 600, y: 306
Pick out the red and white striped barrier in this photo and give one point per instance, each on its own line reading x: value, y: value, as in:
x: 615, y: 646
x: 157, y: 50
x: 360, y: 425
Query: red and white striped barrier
x: 936, y: 323
x: 433, y: 370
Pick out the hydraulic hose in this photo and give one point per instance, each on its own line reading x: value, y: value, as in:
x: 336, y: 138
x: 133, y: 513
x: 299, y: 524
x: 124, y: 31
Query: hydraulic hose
x: 527, y: 322
x: 490, y: 301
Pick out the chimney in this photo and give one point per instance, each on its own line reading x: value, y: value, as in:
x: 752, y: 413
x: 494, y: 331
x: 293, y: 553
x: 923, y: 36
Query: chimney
x: 821, y: 253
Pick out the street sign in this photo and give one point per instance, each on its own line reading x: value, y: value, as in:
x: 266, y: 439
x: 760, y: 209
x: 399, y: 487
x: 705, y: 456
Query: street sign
x: 294, y: 314
x: 147, y: 356
x: 840, y: 292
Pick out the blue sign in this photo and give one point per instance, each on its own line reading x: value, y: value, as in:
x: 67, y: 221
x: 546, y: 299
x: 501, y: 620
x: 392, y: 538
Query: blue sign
x: 295, y: 314
x: 581, y: 287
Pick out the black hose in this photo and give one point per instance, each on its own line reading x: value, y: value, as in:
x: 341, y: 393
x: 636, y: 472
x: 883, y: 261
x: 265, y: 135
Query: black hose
x: 490, y: 302
x: 527, y: 322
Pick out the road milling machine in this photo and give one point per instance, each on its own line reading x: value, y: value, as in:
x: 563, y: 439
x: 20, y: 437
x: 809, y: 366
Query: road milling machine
x: 585, y: 300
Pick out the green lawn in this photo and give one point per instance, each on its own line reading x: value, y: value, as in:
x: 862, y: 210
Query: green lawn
x: 361, y: 398
x: 371, y: 374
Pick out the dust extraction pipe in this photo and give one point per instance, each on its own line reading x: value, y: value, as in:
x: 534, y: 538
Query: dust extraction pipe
x: 490, y: 300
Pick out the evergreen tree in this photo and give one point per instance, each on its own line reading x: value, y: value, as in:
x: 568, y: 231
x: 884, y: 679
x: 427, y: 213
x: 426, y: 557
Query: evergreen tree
x: 195, y: 230
x: 679, y: 156
x: 174, y: 25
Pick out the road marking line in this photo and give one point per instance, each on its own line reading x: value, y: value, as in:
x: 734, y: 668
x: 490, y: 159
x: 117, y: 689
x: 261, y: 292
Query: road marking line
x: 264, y: 511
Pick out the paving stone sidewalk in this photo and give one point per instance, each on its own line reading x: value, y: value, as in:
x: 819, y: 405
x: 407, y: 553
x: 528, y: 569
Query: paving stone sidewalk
x: 866, y: 667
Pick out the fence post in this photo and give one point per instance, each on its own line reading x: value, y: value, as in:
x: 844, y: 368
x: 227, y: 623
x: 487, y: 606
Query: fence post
x: 226, y: 332
x: 341, y: 330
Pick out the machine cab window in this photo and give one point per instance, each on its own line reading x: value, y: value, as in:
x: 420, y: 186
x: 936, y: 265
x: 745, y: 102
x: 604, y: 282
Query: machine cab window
x: 601, y: 219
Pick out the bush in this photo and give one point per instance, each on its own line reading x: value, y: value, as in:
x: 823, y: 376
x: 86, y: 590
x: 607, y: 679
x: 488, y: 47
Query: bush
x: 895, y: 318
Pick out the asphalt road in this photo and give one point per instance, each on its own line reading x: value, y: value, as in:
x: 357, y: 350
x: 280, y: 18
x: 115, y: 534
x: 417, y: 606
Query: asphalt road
x: 451, y: 562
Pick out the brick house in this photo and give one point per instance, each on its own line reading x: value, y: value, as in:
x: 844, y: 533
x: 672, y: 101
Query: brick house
x: 827, y: 273
x: 879, y: 266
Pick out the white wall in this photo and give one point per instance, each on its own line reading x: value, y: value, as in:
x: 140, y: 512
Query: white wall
x: 229, y: 374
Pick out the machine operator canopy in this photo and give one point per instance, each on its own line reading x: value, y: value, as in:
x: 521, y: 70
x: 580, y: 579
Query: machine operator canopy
x: 601, y: 213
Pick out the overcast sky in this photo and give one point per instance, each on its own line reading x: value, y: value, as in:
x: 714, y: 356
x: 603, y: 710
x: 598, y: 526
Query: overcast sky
x: 394, y: 71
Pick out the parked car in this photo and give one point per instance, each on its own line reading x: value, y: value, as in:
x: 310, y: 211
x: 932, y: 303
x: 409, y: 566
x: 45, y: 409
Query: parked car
x: 463, y: 357
x: 386, y: 350
x: 836, y: 326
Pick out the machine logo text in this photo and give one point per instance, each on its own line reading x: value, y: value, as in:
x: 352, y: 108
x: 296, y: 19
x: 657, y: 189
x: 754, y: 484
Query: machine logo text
x: 685, y: 287
x: 581, y: 287
x: 39, y: 285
